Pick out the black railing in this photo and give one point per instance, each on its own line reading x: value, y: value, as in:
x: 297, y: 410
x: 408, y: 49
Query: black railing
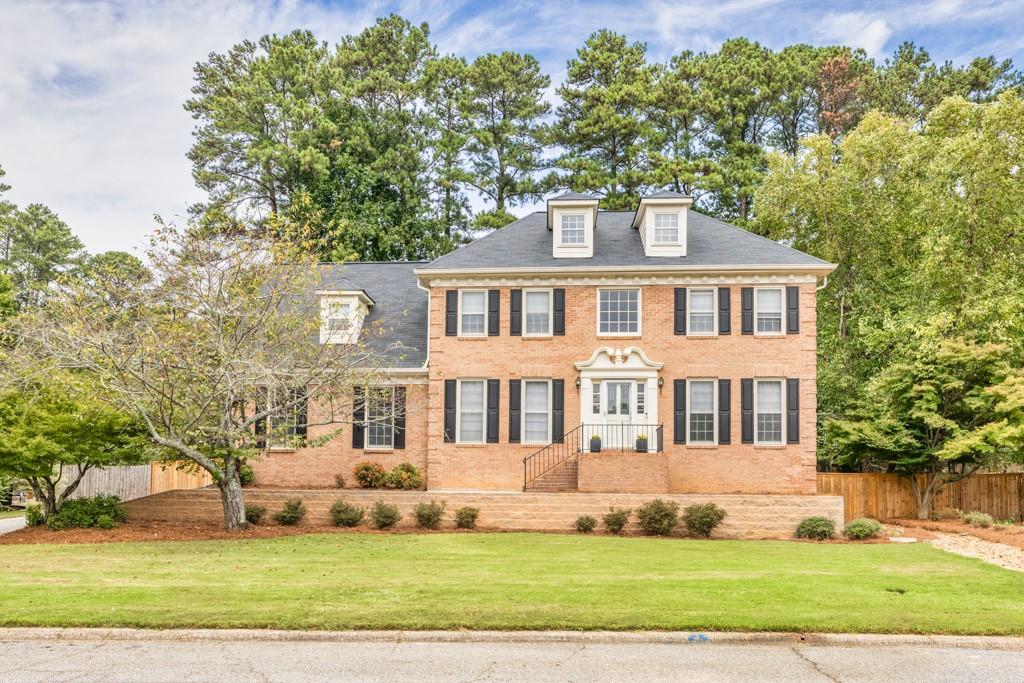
x: 551, y: 456
x: 629, y: 438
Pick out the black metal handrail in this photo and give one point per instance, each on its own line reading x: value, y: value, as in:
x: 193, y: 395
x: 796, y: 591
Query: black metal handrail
x: 551, y: 456
x: 628, y: 438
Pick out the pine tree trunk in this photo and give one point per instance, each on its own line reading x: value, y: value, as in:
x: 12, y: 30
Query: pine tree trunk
x: 231, y: 497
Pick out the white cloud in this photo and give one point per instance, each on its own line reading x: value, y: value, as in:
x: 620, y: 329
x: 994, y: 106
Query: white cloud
x: 856, y: 29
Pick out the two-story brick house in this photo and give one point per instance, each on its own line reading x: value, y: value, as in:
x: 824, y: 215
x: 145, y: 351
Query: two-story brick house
x: 686, y: 345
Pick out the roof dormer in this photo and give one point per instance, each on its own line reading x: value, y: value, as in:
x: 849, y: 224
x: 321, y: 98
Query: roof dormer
x: 341, y: 315
x: 572, y: 218
x: 661, y: 220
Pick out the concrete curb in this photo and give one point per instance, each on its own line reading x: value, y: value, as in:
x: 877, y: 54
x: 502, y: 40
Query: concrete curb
x: 575, y: 637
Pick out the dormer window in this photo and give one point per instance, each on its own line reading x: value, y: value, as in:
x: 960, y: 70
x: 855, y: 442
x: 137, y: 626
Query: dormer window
x: 661, y: 220
x: 666, y: 228
x: 341, y: 316
x: 573, y: 229
x: 572, y: 219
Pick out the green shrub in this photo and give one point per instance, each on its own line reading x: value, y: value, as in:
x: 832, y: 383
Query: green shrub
x: 585, y: 524
x: 384, y: 515
x: 84, y: 513
x: 294, y: 511
x: 658, y: 517
x: 615, y: 520
x: 701, y: 520
x: 429, y: 515
x: 246, y: 475
x: 465, y: 517
x: 979, y: 519
x: 369, y: 475
x: 405, y: 476
x: 254, y: 513
x: 339, y: 481
x: 860, y: 529
x: 106, y: 522
x: 345, y: 514
x: 34, y: 515
x: 817, y: 528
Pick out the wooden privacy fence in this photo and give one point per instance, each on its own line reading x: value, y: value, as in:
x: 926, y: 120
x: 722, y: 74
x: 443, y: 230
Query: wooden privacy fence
x: 128, y: 482
x: 889, y: 496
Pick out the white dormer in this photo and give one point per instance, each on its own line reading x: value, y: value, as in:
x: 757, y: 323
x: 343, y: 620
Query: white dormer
x: 571, y: 220
x: 341, y: 315
x: 661, y: 220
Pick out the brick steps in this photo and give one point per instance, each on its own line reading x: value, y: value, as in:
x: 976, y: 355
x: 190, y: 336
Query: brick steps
x: 562, y: 478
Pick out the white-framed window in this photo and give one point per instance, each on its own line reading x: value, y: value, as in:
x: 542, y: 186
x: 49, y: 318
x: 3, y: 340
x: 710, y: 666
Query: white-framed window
x: 700, y: 311
x: 641, y: 398
x: 472, y: 312
x: 537, y: 312
x: 339, y: 316
x: 595, y: 398
x: 666, y: 228
x: 286, y: 425
x: 573, y: 228
x: 380, y: 417
x: 471, y: 410
x: 768, y: 401
x: 700, y: 423
x: 618, y: 311
x: 536, y: 411
x: 768, y: 310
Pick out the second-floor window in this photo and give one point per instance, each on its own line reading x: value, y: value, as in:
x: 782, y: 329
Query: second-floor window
x: 666, y: 228
x: 618, y: 311
x: 701, y: 311
x: 473, y: 312
x: 768, y: 310
x: 573, y: 231
x: 538, y: 312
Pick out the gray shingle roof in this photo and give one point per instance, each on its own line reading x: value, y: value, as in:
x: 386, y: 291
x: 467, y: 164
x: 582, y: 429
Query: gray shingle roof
x: 526, y: 243
x: 573, y: 196
x: 400, y: 307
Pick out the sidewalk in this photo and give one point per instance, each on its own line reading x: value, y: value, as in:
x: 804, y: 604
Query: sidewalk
x: 11, y: 524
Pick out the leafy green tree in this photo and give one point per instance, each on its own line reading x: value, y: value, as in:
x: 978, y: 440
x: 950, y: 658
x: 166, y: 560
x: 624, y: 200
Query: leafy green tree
x: 449, y: 136
x: 37, y: 249
x: 937, y: 414
x: 678, y: 154
x: 602, y: 123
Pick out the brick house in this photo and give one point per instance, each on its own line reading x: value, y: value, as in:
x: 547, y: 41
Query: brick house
x: 647, y: 351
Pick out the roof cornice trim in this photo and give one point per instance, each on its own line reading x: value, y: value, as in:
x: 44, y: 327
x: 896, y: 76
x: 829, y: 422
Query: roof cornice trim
x: 727, y: 269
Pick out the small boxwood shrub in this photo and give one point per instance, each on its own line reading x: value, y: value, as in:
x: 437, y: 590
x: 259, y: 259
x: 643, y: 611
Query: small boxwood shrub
x: 863, y: 528
x: 246, y: 475
x: 701, y: 520
x: 404, y: 476
x: 106, y: 522
x: 615, y: 520
x: 465, y: 517
x: 339, y: 481
x: 294, y: 511
x: 384, y: 515
x: 34, y: 515
x: 658, y: 517
x: 816, y: 528
x: 346, y: 514
x: 429, y: 515
x: 254, y: 513
x: 585, y: 524
x: 83, y: 513
x: 369, y: 475
x: 978, y: 519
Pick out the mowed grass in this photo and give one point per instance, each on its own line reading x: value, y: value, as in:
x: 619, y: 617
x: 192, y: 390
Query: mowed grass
x: 508, y: 581
x: 5, y: 514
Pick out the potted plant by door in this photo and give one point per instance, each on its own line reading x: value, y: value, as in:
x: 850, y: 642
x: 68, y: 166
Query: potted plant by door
x: 641, y: 443
x: 595, y: 443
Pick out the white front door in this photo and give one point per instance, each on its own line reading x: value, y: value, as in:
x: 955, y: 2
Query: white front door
x: 619, y: 409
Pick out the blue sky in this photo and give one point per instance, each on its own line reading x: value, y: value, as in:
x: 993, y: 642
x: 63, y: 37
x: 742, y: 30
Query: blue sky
x: 91, y: 121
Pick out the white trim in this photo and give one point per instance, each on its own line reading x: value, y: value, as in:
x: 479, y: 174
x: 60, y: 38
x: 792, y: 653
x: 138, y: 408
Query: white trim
x: 561, y: 227
x: 366, y: 418
x: 639, y: 312
x: 522, y: 412
x: 357, y: 293
x: 782, y: 408
x: 608, y: 278
x: 714, y: 410
x: 654, y: 226
x: 459, y: 313
x: 551, y: 312
x: 782, y: 312
x: 618, y: 358
x: 458, y: 411
x: 714, y: 311
x: 592, y: 271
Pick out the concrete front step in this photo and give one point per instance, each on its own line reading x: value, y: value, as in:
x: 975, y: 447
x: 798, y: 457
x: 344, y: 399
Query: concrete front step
x: 748, y: 516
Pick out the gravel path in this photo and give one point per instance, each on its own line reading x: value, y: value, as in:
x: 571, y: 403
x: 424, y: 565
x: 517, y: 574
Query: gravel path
x: 1005, y: 556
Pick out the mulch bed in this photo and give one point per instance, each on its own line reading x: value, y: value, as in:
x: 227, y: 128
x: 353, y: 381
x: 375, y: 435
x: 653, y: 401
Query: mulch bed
x: 162, y: 531
x: 1013, y: 535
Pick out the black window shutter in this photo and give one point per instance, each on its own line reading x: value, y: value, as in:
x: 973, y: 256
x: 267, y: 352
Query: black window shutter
x: 559, y: 308
x: 680, y: 325
x: 747, y: 303
x: 557, y: 410
x: 792, y: 411
x: 451, y: 312
x: 679, y: 411
x: 493, y: 401
x: 515, y: 318
x: 792, y: 310
x: 724, y: 403
x: 493, y: 311
x: 358, y: 417
x: 514, y: 415
x: 301, y: 412
x: 260, y: 428
x: 724, y: 311
x: 450, y: 387
x: 399, y: 417
x: 747, y: 410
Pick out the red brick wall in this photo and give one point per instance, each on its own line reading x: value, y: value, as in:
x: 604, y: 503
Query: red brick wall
x: 611, y: 472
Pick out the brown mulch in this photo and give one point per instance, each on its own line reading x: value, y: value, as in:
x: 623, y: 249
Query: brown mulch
x: 1012, y: 535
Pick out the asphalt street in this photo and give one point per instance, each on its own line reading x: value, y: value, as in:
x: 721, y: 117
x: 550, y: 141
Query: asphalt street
x: 11, y: 524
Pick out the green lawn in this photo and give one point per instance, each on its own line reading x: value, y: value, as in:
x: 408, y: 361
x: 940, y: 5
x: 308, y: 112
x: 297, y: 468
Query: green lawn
x: 11, y: 513
x: 508, y: 581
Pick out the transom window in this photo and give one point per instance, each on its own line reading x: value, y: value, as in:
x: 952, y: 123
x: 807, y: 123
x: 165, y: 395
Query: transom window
x: 768, y: 408
x: 768, y: 310
x: 472, y: 396
x: 538, y: 312
x: 702, y: 411
x: 701, y: 311
x: 380, y: 417
x: 536, y: 411
x: 618, y: 311
x: 666, y: 228
x: 473, y: 312
x: 573, y: 230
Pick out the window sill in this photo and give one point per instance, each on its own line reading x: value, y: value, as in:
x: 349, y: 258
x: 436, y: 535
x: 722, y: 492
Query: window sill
x: 482, y: 337
x: 769, y: 446
x: 702, y: 446
x: 537, y: 337
x: 470, y: 445
x: 770, y: 335
x: 616, y: 335
x: 370, y: 449
x: 701, y: 335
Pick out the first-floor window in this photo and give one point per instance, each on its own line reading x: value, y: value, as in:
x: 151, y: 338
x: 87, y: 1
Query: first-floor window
x: 289, y: 423
x: 701, y: 311
x: 536, y: 413
x: 618, y: 311
x: 472, y: 396
x: 768, y: 403
x: 473, y: 314
x: 380, y: 417
x: 702, y: 411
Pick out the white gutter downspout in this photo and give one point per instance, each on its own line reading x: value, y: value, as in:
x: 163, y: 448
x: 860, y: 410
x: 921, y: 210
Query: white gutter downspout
x: 824, y: 284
